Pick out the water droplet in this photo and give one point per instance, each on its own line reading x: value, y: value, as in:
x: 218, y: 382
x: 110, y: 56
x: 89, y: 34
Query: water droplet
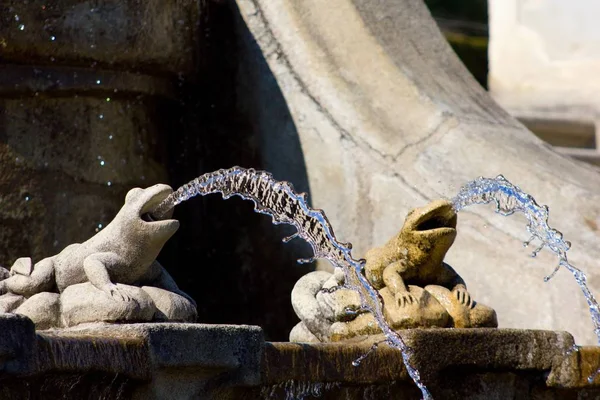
x: 53, y: 38
x: 21, y: 27
x: 528, y: 241
x: 98, y: 82
x: 102, y: 163
x: 101, y: 116
x: 109, y: 183
x: 17, y: 18
x: 27, y: 197
x: 110, y: 137
x: 291, y: 237
x: 107, y: 99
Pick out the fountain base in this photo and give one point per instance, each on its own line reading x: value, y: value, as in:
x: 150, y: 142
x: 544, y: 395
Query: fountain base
x: 183, y: 361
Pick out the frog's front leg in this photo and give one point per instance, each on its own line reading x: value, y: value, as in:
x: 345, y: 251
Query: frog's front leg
x: 392, y: 276
x: 97, y: 267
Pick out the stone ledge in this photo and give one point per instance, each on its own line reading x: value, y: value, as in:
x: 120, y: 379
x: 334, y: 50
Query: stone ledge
x: 182, y: 361
x: 137, y: 351
x: 17, y: 340
x: 438, y: 352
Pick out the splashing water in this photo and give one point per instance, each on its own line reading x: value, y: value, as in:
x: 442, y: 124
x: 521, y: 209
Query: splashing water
x: 297, y: 390
x: 285, y: 206
x: 510, y: 199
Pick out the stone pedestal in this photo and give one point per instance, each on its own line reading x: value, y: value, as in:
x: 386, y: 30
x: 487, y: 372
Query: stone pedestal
x: 137, y: 361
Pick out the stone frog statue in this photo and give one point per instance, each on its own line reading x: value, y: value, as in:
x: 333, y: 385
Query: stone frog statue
x: 112, y: 277
x: 418, y: 289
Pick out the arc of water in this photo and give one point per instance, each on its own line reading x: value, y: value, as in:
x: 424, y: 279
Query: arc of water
x: 279, y: 200
x: 510, y: 199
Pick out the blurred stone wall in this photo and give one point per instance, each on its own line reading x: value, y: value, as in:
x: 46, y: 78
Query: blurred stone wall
x: 87, y: 91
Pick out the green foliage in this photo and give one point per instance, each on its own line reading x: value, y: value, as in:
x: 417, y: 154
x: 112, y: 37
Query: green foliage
x: 472, y: 50
x: 469, y: 10
x: 464, y: 23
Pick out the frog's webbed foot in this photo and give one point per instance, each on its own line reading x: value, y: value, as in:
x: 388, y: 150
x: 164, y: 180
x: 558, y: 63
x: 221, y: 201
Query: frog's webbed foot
x: 96, y: 267
x: 405, y: 298
x: 463, y: 296
x: 116, y: 292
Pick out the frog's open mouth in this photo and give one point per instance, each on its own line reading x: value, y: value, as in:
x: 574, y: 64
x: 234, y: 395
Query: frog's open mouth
x: 441, y: 219
x: 146, y: 212
x: 148, y: 217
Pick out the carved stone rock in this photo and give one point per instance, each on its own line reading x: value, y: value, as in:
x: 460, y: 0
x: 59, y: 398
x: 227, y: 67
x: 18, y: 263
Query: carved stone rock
x: 43, y: 309
x: 417, y: 288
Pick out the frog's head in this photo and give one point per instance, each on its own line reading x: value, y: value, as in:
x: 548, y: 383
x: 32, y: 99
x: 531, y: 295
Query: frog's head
x: 136, y: 214
x: 428, y: 232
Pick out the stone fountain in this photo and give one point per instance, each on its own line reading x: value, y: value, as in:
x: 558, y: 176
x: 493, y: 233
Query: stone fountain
x: 111, y: 322
x: 102, y: 291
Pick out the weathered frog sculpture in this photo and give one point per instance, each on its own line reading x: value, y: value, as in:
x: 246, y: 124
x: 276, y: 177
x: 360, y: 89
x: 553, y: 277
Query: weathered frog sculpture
x: 112, y: 277
x: 418, y: 289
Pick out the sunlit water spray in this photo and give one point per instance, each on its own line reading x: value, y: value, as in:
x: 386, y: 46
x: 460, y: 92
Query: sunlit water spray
x: 510, y: 199
x: 285, y: 206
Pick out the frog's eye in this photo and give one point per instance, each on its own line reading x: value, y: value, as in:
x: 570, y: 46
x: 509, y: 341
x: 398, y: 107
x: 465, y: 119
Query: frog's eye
x: 133, y: 194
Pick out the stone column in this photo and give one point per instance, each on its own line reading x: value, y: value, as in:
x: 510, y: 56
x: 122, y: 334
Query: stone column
x: 388, y: 118
x: 87, y: 97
